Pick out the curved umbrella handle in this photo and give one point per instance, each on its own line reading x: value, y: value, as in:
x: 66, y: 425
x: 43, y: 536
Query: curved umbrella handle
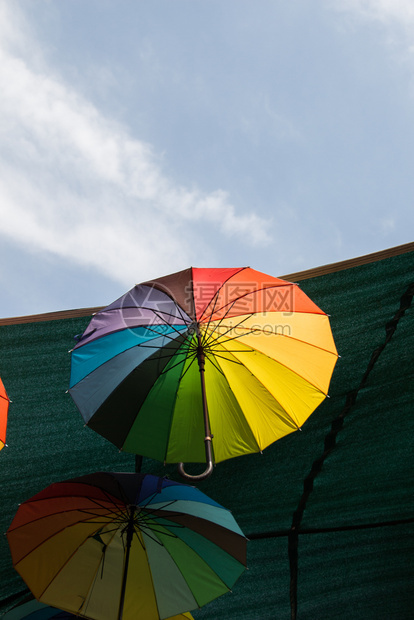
x: 209, y: 469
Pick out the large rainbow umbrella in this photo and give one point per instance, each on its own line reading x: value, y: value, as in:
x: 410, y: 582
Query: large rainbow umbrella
x: 4, y: 408
x: 203, y: 365
x: 121, y: 545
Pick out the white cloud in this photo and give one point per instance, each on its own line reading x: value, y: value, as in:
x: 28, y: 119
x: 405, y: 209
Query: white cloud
x: 386, y: 225
x: 75, y: 183
x: 395, y: 22
x: 390, y: 14
x: 383, y: 10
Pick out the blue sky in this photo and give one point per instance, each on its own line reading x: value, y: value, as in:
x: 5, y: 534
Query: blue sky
x: 139, y: 138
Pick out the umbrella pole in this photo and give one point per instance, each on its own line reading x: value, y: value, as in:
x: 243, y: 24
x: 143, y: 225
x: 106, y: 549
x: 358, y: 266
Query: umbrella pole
x: 208, y: 437
x: 130, y: 533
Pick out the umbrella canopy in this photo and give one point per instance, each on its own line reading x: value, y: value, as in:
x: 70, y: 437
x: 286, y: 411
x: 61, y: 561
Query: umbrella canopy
x: 233, y: 354
x: 4, y: 408
x: 33, y: 610
x: 113, y: 545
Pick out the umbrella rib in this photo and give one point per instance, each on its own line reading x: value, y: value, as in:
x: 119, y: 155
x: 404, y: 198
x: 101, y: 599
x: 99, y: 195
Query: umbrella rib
x: 216, y: 295
x: 151, y: 511
x: 159, y: 314
x: 183, y: 317
x: 147, y: 533
x: 117, y: 510
x: 94, y: 579
x: 234, y: 337
x: 115, y: 529
x: 150, y: 499
x: 291, y: 369
x: 183, y: 314
x: 149, y: 309
x: 163, y: 335
x: 62, y: 567
x: 304, y: 342
x: 310, y: 344
x: 171, y: 324
x: 175, y: 525
x: 223, y: 357
x: 114, y: 517
x: 217, y: 340
x: 186, y: 370
x: 163, y: 372
x: 149, y: 527
x: 214, y: 351
x: 167, y: 369
x: 100, y: 505
x: 109, y: 510
x: 283, y: 335
x: 294, y: 422
x: 211, y: 359
x: 93, y: 514
x: 162, y: 357
x: 255, y: 291
x: 229, y: 329
x: 110, y: 499
x: 222, y: 318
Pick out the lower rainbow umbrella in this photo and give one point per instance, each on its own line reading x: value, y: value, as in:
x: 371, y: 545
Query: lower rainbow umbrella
x: 4, y: 408
x: 123, y: 545
x: 33, y: 610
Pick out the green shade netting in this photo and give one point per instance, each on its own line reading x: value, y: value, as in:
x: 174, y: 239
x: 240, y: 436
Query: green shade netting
x: 364, y: 480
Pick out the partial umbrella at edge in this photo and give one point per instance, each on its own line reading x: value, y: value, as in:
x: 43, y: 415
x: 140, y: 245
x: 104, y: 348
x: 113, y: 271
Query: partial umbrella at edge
x: 33, y: 610
x: 4, y: 408
x: 121, y: 545
x: 203, y: 365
